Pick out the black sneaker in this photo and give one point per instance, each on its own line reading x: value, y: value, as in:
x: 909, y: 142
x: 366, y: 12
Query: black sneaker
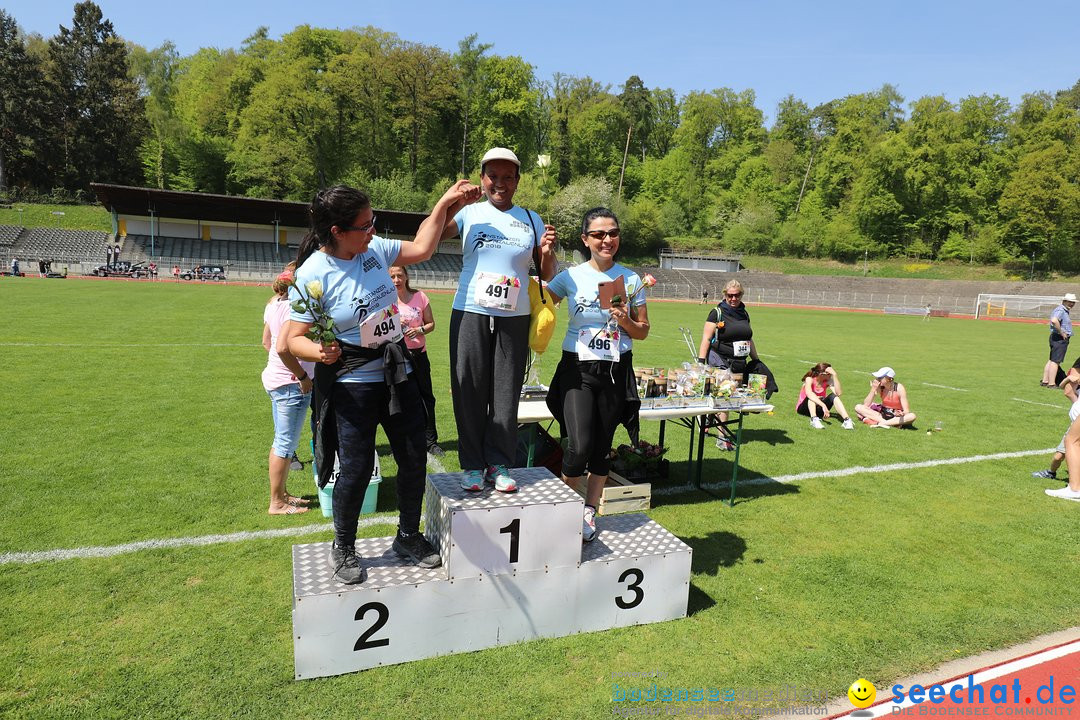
x: 434, y: 449
x: 417, y: 548
x: 346, y: 565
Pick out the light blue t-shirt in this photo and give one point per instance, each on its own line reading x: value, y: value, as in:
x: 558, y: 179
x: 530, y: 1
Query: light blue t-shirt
x: 579, y: 287
x: 495, y: 242
x: 352, y: 290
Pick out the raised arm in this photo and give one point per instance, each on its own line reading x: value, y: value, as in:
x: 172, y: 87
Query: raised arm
x: 436, y: 225
x: 837, y: 391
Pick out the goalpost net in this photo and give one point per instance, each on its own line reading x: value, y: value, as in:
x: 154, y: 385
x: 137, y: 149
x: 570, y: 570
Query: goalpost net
x: 1015, y: 306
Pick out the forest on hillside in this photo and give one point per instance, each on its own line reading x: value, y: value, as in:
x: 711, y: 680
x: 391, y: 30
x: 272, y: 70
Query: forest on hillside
x: 868, y: 175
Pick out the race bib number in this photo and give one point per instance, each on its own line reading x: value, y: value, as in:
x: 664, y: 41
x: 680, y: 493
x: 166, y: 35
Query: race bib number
x: 381, y: 327
x: 603, y: 345
x: 498, y: 292
x: 742, y: 348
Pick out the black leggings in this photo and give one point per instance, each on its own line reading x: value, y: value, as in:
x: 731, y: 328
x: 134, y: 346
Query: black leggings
x: 592, y: 405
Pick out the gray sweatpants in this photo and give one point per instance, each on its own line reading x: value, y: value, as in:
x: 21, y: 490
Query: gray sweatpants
x: 487, y: 368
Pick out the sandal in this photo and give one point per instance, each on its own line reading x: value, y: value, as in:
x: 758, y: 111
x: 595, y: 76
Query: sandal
x: 291, y: 510
x: 297, y: 501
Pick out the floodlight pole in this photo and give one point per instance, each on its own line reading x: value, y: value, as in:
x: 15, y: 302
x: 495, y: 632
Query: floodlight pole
x: 151, y: 232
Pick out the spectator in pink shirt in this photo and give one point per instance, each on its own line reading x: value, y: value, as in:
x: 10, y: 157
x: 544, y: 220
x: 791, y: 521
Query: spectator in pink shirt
x: 416, y: 322
x: 288, y: 381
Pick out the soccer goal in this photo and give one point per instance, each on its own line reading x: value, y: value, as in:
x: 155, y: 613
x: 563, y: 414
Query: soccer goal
x: 1015, y: 306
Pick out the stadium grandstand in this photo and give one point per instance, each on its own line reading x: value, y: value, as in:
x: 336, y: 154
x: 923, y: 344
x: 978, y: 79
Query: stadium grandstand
x: 251, y: 237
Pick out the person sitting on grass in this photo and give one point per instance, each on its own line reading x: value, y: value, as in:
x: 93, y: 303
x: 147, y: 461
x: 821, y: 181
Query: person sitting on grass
x: 820, y: 395
x: 1068, y: 386
x: 893, y: 410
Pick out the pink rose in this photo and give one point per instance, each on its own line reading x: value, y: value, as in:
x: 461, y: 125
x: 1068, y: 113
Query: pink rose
x: 285, y: 277
x: 648, y: 280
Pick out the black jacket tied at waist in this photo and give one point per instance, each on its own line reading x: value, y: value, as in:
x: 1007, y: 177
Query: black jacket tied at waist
x: 353, y: 357
x: 625, y: 384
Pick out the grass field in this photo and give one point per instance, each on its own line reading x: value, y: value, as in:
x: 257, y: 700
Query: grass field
x: 75, y: 217
x: 134, y: 411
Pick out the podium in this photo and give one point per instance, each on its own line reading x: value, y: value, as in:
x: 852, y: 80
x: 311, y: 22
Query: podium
x: 514, y: 569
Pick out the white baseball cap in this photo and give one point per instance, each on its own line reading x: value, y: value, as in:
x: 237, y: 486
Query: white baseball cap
x: 500, y: 153
x: 1069, y: 297
x: 885, y: 372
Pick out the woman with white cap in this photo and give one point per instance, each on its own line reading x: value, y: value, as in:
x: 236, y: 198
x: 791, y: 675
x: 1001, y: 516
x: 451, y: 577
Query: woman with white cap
x: 1060, y: 333
x: 893, y: 410
x: 489, y: 323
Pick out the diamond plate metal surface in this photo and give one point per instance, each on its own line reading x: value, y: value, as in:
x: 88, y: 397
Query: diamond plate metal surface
x: 312, y: 574
x: 630, y: 536
x: 536, y: 486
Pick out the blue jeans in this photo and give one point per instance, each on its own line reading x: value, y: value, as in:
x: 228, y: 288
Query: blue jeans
x: 359, y: 408
x: 290, y: 406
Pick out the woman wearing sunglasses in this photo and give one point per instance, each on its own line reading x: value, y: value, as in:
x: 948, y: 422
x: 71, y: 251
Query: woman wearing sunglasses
x: 364, y: 379
x: 727, y: 340
x: 593, y: 388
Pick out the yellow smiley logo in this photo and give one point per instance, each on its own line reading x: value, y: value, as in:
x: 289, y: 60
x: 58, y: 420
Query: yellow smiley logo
x: 862, y: 693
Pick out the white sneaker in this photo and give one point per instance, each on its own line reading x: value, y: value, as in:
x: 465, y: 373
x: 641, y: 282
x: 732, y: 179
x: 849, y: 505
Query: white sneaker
x: 1065, y: 493
x: 816, y: 423
x: 883, y: 425
x: 847, y: 424
x: 588, y: 524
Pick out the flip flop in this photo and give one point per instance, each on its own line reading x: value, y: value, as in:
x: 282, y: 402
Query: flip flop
x: 297, y: 501
x: 292, y: 510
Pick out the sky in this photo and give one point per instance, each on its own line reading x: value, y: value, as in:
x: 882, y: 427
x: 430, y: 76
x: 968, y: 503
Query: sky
x: 814, y: 51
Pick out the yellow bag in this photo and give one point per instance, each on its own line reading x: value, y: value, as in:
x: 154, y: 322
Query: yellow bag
x: 542, y: 325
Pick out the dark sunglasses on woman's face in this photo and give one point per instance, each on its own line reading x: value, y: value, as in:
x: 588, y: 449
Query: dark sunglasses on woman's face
x: 734, y: 296
x: 601, y: 234
x: 362, y: 228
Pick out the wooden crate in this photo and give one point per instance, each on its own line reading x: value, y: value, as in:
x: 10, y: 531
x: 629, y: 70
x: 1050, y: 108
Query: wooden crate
x: 620, y: 495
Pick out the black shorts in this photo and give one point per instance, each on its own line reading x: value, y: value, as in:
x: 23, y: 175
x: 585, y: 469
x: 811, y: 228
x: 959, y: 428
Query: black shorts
x: 804, y: 406
x: 1058, y: 346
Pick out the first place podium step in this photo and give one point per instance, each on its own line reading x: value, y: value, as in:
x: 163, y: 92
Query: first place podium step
x: 514, y: 569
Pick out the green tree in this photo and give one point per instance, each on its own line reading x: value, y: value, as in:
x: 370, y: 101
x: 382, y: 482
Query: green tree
x: 99, y: 118
x: 422, y: 81
x: 156, y: 72
x: 20, y: 107
x: 636, y: 101
x: 467, y: 60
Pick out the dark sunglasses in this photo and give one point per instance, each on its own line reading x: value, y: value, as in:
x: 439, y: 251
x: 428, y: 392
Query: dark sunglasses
x: 362, y: 228
x: 733, y: 295
x: 601, y: 234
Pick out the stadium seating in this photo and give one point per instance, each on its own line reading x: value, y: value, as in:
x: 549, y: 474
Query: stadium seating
x: 64, y: 245
x: 9, y: 234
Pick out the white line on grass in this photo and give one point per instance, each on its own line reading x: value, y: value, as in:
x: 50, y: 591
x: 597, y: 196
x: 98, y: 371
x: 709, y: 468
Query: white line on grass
x: 1032, y: 402
x: 434, y: 464
x: 123, y: 345
x: 27, y: 558
x: 857, y: 470
x: 944, y: 387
